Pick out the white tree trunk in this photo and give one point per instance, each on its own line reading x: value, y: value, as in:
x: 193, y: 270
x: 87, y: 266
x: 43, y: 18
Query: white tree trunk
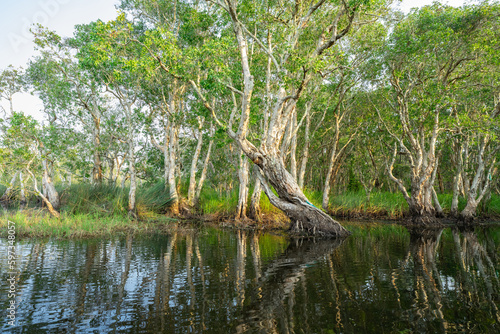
x: 131, y: 161
x: 254, y: 210
x: 194, y: 163
x: 305, y: 218
x: 293, y: 149
x: 481, y: 179
x: 203, y: 173
x: 305, y: 152
x: 172, y: 184
x: 21, y: 185
x: 10, y: 189
x: 241, y: 210
x: 50, y: 191
x: 44, y: 199
x: 331, y: 164
x: 457, y: 179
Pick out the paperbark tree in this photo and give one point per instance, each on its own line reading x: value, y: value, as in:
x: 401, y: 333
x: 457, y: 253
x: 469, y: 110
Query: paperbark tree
x: 11, y: 82
x: 194, y: 162
x: 304, y: 216
x: 421, y: 83
x: 106, y: 51
x: 66, y: 87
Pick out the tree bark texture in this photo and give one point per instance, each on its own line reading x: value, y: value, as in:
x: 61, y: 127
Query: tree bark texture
x: 49, y: 189
x: 305, y: 152
x: 254, y: 209
x: 203, y: 173
x: 241, y: 209
x: 96, y: 133
x: 131, y: 160
x: 194, y: 163
x: 172, y: 184
x: 481, y: 182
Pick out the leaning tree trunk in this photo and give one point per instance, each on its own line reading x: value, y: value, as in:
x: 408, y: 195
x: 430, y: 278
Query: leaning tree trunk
x: 44, y: 199
x: 10, y: 189
x: 49, y: 188
x: 305, y: 217
x: 469, y: 212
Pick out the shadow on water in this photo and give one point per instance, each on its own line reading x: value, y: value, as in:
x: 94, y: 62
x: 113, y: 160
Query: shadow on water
x: 382, y: 279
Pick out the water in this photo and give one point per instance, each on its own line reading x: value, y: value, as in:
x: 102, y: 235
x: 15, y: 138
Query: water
x: 382, y: 279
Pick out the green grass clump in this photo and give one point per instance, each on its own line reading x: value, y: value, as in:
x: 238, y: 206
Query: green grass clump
x: 494, y: 205
x: 155, y: 198
x: 225, y: 204
x: 110, y: 200
x: 212, y: 202
x: 393, y: 205
x: 98, y: 200
x: 380, y: 204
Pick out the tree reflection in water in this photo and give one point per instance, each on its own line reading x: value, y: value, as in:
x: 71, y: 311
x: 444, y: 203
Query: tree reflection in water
x: 382, y: 279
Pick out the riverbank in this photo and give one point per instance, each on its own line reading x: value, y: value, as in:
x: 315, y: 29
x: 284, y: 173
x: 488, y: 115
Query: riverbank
x: 90, y: 212
x: 39, y: 223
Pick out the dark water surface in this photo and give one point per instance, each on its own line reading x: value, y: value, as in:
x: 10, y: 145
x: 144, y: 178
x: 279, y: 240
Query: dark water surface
x: 382, y: 279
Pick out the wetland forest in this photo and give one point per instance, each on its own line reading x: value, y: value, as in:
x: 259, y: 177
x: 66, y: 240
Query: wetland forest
x: 247, y: 166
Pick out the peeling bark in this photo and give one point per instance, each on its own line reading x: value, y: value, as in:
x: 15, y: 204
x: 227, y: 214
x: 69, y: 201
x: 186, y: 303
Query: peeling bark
x: 241, y: 209
x: 131, y: 161
x: 48, y: 186
x: 194, y: 163
x: 305, y: 217
x: 254, y: 209
x: 203, y: 173
x: 44, y: 199
x: 172, y: 184
x: 96, y: 134
x: 305, y: 152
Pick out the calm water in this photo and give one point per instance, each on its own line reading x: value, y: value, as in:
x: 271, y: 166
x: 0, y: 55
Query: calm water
x: 382, y: 279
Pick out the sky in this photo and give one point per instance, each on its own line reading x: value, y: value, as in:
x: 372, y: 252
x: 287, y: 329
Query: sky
x: 16, y: 46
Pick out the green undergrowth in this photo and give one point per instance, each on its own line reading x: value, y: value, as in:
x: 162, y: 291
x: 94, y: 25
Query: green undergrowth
x: 394, y: 206
x: 351, y: 204
x: 108, y: 200
x: 381, y: 204
x: 100, y: 210
x: 88, y: 210
x: 214, y: 203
